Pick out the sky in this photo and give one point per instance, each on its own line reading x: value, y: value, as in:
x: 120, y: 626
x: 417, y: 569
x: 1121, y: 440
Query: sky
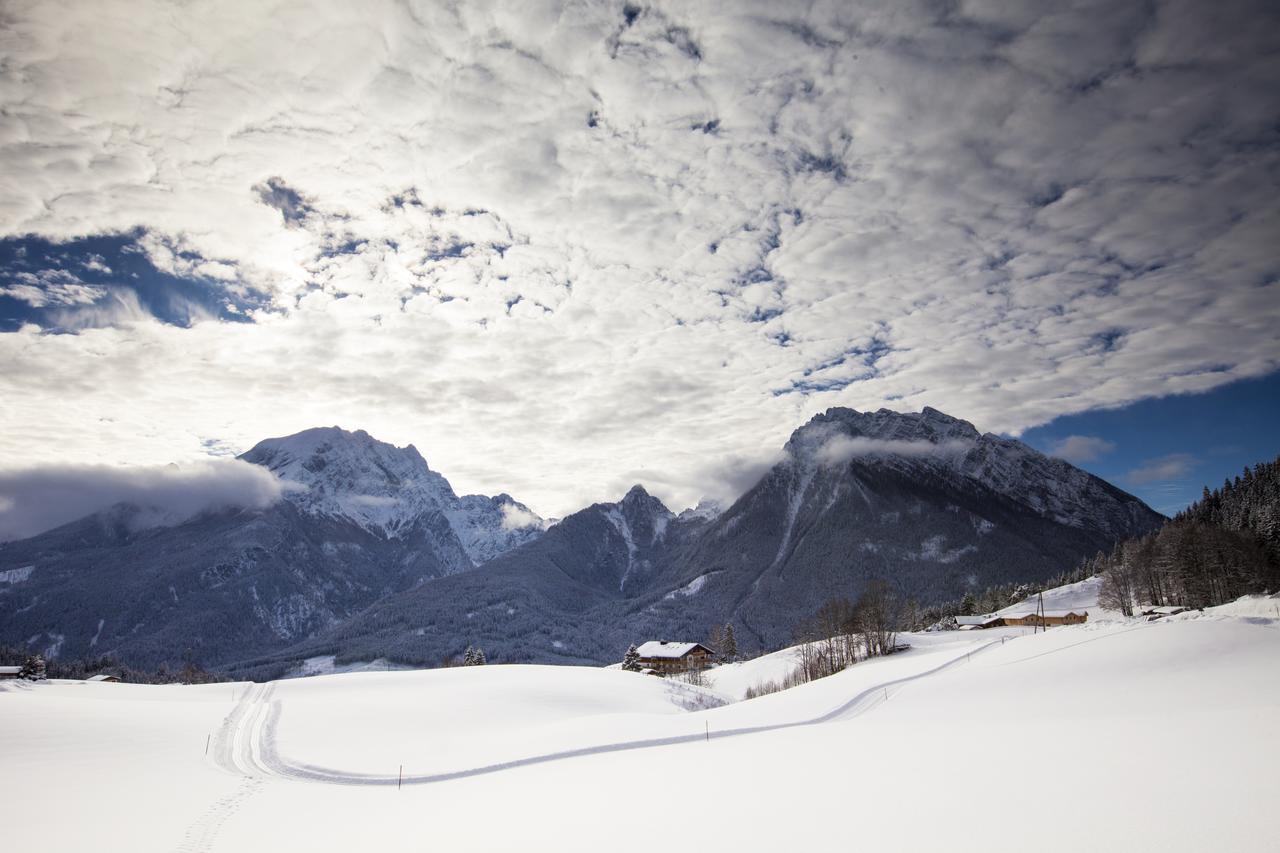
x: 565, y: 247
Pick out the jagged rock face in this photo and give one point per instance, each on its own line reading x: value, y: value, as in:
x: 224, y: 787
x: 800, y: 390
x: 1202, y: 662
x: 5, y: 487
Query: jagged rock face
x: 360, y: 519
x: 922, y: 500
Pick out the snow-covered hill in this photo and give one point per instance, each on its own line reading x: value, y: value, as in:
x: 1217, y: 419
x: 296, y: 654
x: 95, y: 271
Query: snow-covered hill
x: 1116, y: 735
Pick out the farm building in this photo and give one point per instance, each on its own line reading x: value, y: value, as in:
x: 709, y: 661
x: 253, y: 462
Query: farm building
x: 10, y: 671
x: 667, y: 657
x: 102, y: 676
x: 1029, y: 619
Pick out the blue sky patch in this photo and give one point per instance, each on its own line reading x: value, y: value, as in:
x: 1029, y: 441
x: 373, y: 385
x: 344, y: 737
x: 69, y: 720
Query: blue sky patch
x: 1167, y: 450
x: 106, y: 279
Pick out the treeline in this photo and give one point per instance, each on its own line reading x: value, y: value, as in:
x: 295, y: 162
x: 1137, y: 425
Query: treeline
x: 1224, y: 546
x: 1248, y: 504
x: 82, y: 668
x: 843, y: 632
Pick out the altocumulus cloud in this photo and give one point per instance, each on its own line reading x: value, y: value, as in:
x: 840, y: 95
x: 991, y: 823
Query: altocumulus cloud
x: 33, y: 500
x: 553, y: 243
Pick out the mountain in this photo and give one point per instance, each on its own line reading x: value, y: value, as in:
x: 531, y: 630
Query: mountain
x: 922, y: 500
x: 360, y: 520
x: 389, y: 491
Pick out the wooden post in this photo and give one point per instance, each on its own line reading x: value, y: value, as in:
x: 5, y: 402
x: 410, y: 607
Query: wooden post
x: 400, y: 780
x: 207, y: 738
x: 708, y: 722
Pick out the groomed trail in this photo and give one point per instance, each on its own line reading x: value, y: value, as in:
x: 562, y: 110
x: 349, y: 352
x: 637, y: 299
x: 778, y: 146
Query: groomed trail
x: 245, y: 744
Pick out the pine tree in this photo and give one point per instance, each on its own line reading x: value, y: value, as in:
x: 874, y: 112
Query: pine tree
x: 33, y: 669
x: 631, y: 660
x: 480, y: 660
x: 729, y: 649
x: 968, y: 604
x: 469, y: 657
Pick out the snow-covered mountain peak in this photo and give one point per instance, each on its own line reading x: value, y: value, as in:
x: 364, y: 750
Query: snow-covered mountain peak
x: 386, y: 489
x: 936, y: 444
x: 706, y: 510
x: 353, y: 475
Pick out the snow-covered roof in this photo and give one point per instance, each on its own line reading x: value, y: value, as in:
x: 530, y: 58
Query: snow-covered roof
x: 975, y: 620
x: 1053, y: 613
x: 10, y: 670
x: 665, y: 649
x: 102, y: 676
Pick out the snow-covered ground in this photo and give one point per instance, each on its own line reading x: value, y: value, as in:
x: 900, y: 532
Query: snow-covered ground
x: 1113, y: 735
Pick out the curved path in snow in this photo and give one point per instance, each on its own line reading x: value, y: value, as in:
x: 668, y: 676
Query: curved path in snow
x: 246, y: 742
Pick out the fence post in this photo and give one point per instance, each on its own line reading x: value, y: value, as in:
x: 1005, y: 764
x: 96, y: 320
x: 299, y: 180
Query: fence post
x: 400, y: 779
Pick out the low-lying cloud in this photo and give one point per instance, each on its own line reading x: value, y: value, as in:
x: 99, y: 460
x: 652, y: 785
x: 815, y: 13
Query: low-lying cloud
x: 516, y: 518
x: 844, y: 448
x: 34, y: 500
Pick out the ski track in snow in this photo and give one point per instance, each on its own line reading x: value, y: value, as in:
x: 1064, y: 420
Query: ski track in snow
x: 233, y: 749
x: 246, y: 743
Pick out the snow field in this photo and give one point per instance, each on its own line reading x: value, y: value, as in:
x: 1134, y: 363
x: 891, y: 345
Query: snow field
x: 1116, y: 735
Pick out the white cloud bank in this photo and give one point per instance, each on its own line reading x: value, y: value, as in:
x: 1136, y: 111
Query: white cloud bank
x: 554, y: 242
x: 845, y: 448
x: 36, y: 499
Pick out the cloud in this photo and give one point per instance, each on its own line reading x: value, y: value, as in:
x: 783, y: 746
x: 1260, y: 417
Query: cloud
x: 51, y: 287
x: 844, y: 448
x: 1171, y: 467
x: 648, y: 239
x: 1081, y: 448
x: 515, y: 518
x: 36, y: 499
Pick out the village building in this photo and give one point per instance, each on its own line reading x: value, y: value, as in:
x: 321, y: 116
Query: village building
x: 10, y: 671
x: 665, y: 657
x: 1030, y: 619
x: 104, y: 677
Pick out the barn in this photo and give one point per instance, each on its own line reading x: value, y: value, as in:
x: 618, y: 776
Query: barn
x: 10, y: 671
x: 664, y: 657
x: 103, y: 677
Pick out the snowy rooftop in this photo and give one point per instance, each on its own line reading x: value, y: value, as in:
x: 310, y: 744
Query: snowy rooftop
x: 664, y: 649
x: 10, y: 670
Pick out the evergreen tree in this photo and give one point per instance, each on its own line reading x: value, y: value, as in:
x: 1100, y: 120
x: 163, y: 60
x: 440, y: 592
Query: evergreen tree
x: 480, y: 659
x: 729, y: 644
x: 469, y: 657
x: 631, y: 660
x: 968, y: 604
x: 33, y: 669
